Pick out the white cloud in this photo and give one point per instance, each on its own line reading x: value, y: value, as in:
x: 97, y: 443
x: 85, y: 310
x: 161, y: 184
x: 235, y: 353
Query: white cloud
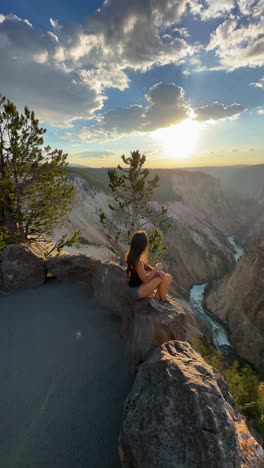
x: 258, y: 84
x: 108, y: 77
x: 41, y: 57
x: 217, y: 111
x: 211, y: 9
x: 251, y: 7
x: 238, y: 45
x: 260, y: 110
x: 55, y: 23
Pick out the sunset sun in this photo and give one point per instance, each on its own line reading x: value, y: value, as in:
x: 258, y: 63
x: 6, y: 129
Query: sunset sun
x: 179, y: 140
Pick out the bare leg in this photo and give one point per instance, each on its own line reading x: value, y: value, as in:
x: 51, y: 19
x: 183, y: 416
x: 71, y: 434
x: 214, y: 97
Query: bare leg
x: 157, y: 294
x: 164, y: 286
x: 146, y: 289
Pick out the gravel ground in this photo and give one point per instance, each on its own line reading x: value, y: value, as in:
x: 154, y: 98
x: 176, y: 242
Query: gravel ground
x: 64, y: 380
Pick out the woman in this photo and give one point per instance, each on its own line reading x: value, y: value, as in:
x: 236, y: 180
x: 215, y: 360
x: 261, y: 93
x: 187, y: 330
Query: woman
x: 143, y: 279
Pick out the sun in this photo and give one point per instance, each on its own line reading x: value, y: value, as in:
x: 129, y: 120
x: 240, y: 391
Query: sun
x: 180, y: 140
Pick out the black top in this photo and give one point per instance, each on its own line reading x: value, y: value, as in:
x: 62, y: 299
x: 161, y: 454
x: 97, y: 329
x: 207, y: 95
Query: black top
x: 134, y: 279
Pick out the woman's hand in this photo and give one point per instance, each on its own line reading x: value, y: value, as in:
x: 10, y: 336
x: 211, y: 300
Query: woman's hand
x: 160, y: 274
x: 158, y: 267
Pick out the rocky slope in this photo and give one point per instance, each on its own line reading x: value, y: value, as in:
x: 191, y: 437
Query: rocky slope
x: 205, y: 195
x: 198, y: 251
x: 86, y: 203
x: 238, y: 300
x: 248, y: 181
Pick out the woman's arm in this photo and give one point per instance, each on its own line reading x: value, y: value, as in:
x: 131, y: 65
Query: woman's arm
x: 143, y: 274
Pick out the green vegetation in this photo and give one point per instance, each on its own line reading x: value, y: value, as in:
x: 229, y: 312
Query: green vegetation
x: 98, y: 179
x: 35, y: 190
x: 243, y: 383
x: 133, y: 190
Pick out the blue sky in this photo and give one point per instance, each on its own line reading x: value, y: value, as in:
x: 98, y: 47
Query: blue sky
x: 181, y: 80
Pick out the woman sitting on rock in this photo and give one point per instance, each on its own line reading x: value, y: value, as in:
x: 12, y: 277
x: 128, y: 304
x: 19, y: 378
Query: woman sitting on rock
x: 144, y: 280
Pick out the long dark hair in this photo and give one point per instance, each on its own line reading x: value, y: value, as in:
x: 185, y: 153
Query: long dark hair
x: 138, y: 246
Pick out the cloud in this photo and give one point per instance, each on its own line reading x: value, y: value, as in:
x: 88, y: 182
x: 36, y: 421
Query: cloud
x: 167, y: 105
x: 28, y: 76
x: 211, y: 9
x: 260, y: 110
x: 217, y: 111
x: 254, y: 8
x: 64, y: 73
x: 129, y: 35
x: 238, y: 45
x: 258, y: 84
x: 93, y: 154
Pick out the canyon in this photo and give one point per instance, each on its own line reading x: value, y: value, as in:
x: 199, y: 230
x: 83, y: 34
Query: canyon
x: 147, y: 351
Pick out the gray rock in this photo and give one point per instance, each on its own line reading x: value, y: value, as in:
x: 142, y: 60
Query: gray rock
x: 179, y: 413
x: 148, y: 328
x: 21, y: 268
x: 107, y: 281
x: 110, y: 286
x: 73, y: 269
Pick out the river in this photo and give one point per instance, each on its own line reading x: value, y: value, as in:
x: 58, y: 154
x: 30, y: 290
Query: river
x: 214, y: 326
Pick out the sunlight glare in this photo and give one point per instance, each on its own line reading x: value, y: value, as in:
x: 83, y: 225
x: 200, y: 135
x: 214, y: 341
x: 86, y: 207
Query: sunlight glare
x: 180, y: 140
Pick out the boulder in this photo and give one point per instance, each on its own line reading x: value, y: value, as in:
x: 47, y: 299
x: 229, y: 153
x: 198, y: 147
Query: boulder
x: 179, y: 413
x: 73, y: 268
x: 21, y: 268
x: 148, y: 328
x: 107, y: 281
x: 110, y: 287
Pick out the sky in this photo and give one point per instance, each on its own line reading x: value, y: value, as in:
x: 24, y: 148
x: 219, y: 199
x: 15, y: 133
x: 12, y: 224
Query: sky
x: 180, y: 80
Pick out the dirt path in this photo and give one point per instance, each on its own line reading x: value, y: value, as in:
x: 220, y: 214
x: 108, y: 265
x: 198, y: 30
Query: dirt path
x: 64, y: 379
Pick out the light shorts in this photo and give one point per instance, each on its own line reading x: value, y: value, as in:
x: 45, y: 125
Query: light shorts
x: 134, y: 292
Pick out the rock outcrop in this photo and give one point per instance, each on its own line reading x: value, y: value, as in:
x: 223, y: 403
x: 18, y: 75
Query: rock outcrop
x: 179, y: 413
x: 106, y: 281
x: 238, y: 300
x: 143, y: 326
x: 148, y: 328
x: 21, y: 268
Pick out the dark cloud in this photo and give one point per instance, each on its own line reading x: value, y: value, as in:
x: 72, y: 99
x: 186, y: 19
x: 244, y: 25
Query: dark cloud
x: 28, y: 77
x: 167, y: 105
x: 216, y: 111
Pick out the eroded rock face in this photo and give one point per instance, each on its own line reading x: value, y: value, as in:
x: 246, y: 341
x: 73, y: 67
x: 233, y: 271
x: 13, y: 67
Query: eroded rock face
x: 149, y: 328
x: 110, y: 286
x: 238, y: 300
x: 21, y: 268
x: 179, y: 413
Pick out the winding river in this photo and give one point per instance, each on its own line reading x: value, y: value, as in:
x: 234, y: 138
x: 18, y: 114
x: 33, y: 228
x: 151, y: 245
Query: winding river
x: 215, y: 327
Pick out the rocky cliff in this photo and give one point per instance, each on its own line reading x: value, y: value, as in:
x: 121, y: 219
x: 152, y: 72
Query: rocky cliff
x: 238, y: 300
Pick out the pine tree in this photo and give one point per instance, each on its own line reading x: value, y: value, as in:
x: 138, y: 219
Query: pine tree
x: 133, y: 190
x: 35, y: 192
